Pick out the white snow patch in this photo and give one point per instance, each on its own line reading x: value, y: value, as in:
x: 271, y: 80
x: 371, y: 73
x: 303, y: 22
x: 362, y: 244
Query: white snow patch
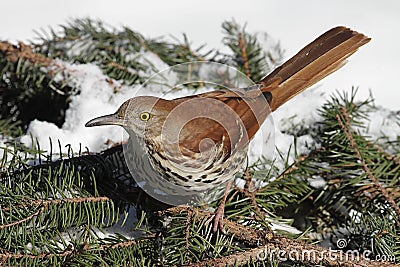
x: 6, y: 151
x: 302, y: 109
x: 2, y: 149
x: 148, y: 58
x: 317, y: 182
x: 97, y: 97
x: 355, y: 215
x: 284, y: 227
x: 382, y: 122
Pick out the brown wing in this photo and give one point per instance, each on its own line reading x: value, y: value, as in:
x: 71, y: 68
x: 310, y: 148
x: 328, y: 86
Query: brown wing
x: 232, y: 121
x: 320, y: 58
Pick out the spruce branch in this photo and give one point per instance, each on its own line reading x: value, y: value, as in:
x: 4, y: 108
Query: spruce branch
x: 177, y: 52
x: 22, y: 51
x: 5, y: 256
x: 345, y: 125
x: 286, y: 247
x: 42, y: 205
x: 384, y: 153
x: 27, y: 78
x: 269, y: 243
x: 247, y: 53
x: 70, y: 250
x: 242, y: 46
x: 9, y: 128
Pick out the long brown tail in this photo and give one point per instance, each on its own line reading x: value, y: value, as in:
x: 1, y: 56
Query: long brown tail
x: 317, y: 60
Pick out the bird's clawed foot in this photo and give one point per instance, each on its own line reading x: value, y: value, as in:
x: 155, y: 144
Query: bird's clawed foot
x: 217, y: 219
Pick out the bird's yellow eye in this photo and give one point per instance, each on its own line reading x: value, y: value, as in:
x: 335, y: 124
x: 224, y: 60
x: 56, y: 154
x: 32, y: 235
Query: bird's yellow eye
x: 144, y: 116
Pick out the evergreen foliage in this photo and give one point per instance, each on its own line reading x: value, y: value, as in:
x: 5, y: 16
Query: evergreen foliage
x: 247, y: 53
x: 58, y: 209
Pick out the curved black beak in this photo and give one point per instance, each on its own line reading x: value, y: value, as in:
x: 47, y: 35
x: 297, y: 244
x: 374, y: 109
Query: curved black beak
x: 112, y: 119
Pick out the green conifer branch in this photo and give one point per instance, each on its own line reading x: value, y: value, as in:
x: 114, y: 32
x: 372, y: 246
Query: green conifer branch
x: 345, y: 125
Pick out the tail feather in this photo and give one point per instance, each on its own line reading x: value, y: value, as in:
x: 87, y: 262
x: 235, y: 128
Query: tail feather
x: 317, y: 60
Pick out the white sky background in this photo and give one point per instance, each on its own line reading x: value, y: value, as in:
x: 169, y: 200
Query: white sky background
x: 293, y: 23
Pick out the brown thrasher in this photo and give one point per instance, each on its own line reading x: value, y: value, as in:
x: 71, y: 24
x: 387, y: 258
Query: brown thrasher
x: 198, y: 142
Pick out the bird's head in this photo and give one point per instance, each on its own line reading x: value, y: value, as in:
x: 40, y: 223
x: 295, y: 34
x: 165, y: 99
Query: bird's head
x: 136, y: 114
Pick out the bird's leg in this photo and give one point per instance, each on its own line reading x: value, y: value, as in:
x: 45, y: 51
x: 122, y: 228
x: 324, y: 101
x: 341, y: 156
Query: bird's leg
x: 140, y: 200
x: 218, y: 215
